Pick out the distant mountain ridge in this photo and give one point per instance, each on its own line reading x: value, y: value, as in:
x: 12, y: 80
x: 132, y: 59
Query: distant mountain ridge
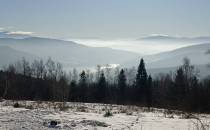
x: 73, y: 55
x: 8, y: 34
x: 70, y: 54
x: 202, y: 71
x: 196, y: 53
x: 9, y: 55
x: 165, y: 38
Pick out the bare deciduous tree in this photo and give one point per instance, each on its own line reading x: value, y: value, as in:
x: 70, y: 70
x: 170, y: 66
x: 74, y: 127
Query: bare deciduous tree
x: 38, y: 69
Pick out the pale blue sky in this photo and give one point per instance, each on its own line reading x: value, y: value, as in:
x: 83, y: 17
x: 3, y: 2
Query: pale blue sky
x: 107, y: 18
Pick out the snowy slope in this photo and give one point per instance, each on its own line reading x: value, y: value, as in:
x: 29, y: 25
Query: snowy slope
x: 89, y: 116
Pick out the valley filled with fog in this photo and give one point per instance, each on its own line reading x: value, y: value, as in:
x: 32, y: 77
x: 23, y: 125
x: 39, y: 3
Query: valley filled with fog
x: 147, y: 45
x: 161, y: 53
x: 105, y: 65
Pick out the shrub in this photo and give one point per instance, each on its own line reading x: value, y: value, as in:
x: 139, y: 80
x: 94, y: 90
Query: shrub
x: 64, y: 108
x: 129, y: 113
x: 16, y: 105
x: 94, y: 123
x: 108, y: 114
x: 187, y: 116
x: 81, y: 109
x: 29, y: 107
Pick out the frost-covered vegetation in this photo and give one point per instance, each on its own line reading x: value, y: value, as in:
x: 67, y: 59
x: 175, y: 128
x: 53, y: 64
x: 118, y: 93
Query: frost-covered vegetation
x: 33, y: 115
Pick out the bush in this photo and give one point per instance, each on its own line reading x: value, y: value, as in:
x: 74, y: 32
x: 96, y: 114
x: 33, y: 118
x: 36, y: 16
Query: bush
x: 129, y: 113
x: 188, y: 116
x: 81, y: 109
x: 64, y: 108
x: 94, y: 123
x: 108, y: 114
x: 16, y: 105
x: 29, y: 107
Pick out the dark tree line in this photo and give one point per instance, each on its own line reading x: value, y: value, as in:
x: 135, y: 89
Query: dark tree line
x: 48, y: 81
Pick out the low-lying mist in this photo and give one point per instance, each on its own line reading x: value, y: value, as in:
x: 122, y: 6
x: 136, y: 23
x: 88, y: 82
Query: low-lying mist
x: 143, y: 47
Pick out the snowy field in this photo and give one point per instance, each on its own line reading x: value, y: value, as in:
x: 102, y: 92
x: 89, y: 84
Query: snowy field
x: 29, y: 115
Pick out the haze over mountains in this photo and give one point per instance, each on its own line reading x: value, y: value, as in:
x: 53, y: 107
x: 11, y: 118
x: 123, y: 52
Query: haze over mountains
x: 74, y: 55
x: 146, y: 45
x: 196, y: 53
x: 70, y: 54
x: 9, y: 55
x: 177, y: 39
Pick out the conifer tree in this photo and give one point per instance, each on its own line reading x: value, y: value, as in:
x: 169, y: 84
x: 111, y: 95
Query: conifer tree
x: 180, y: 85
x: 83, y: 87
x: 122, y: 86
x: 73, y: 91
x: 141, y: 81
x: 101, y: 88
x: 149, y: 92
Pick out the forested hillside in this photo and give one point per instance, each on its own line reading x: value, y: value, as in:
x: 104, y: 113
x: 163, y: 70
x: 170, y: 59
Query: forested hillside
x: 48, y: 81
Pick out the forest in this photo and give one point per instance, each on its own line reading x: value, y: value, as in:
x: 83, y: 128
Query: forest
x: 48, y: 81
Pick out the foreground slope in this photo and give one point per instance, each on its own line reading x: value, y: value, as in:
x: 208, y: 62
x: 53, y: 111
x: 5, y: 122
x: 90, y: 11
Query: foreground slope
x: 78, y: 116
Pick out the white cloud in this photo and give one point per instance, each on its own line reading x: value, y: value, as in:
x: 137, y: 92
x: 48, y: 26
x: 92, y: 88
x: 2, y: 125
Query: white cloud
x: 1, y: 29
x: 19, y: 33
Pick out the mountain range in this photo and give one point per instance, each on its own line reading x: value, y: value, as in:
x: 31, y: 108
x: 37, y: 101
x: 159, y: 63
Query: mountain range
x: 74, y: 55
x: 70, y: 54
x: 166, y: 38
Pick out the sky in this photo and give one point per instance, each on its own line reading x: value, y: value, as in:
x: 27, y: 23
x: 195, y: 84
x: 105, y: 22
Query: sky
x: 106, y: 19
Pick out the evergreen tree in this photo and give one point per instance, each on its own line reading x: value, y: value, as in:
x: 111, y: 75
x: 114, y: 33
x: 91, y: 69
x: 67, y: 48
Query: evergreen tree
x: 73, y: 91
x: 121, y: 86
x: 149, y: 92
x: 180, y: 85
x: 101, y: 89
x: 64, y: 89
x: 141, y: 81
x: 194, y: 98
x: 83, y: 87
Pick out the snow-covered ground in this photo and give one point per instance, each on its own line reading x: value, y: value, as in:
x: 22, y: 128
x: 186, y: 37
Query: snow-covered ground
x: 90, y: 116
